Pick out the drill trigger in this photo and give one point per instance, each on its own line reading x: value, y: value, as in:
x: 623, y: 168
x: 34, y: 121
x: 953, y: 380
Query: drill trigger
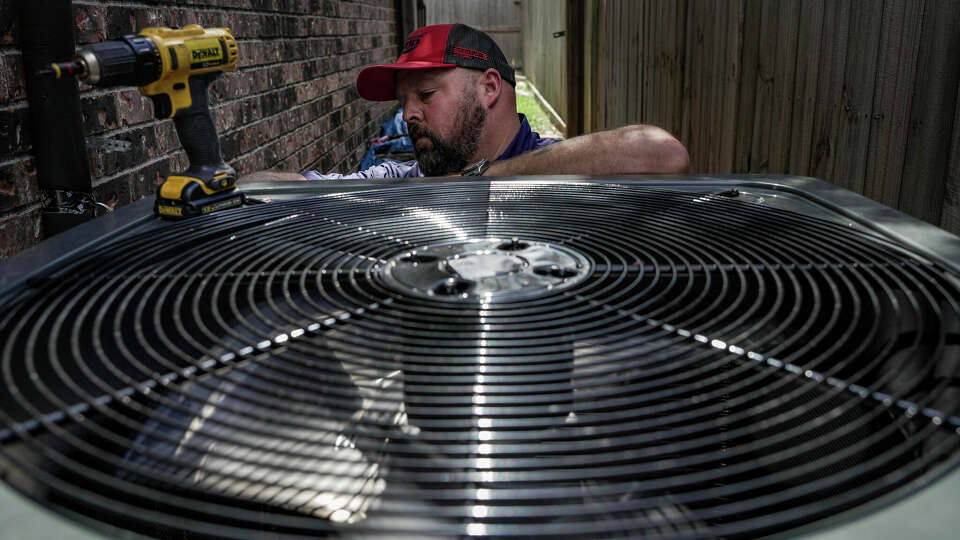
x: 162, y: 107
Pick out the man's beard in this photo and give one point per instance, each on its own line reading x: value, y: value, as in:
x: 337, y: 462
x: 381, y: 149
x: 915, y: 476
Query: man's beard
x: 450, y: 157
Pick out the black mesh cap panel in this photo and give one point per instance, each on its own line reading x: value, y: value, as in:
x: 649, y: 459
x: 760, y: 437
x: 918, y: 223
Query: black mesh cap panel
x: 471, y: 48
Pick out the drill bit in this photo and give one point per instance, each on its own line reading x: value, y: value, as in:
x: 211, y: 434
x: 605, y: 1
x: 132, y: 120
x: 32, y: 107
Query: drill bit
x: 61, y: 69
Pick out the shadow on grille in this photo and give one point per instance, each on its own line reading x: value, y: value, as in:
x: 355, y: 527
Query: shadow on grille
x: 715, y: 368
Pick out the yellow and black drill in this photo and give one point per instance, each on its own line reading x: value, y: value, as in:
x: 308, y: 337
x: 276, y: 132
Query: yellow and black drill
x: 173, y: 67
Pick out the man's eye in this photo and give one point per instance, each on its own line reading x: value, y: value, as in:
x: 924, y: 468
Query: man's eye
x: 426, y: 95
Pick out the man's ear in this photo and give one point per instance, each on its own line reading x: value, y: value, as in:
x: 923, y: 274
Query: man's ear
x: 490, y: 86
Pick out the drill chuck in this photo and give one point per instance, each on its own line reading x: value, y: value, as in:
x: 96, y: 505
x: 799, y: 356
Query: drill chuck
x: 130, y: 61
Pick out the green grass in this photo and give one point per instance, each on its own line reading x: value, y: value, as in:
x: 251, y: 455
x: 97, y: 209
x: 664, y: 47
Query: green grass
x: 528, y: 105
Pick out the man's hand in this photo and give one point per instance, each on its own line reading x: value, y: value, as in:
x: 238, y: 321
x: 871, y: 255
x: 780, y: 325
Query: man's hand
x: 270, y: 176
x: 628, y: 150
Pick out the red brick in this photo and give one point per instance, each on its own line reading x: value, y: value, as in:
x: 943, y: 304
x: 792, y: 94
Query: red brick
x: 19, y: 232
x: 18, y: 184
x: 12, y: 81
x: 133, y: 108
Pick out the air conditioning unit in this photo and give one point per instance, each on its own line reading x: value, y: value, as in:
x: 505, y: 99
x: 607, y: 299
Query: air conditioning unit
x: 701, y: 356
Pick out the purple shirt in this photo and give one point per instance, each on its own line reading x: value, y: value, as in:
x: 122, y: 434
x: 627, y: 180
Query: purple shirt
x: 524, y: 141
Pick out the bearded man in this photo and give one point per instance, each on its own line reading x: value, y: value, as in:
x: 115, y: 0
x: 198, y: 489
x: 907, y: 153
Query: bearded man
x: 457, y: 93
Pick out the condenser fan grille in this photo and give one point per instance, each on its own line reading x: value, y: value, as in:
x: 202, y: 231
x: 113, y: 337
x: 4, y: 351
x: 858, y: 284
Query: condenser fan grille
x: 500, y: 358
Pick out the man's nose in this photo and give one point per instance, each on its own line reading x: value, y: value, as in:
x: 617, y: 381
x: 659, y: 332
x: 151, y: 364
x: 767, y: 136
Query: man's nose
x: 411, y: 114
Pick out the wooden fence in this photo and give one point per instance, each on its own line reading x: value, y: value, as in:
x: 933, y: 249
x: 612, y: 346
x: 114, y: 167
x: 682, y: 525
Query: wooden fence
x: 863, y: 94
x: 543, y: 54
x: 501, y: 19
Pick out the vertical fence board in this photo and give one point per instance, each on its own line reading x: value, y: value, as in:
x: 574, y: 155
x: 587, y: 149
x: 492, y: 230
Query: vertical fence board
x: 763, y: 108
x: 656, y: 103
x: 896, y: 68
x: 788, y: 13
x: 810, y: 34
x: 690, y: 98
x: 950, y: 215
x: 704, y: 56
x: 619, y: 87
x: 603, y: 78
x: 714, y: 47
x: 729, y: 77
x: 626, y: 47
x: 572, y: 71
x: 677, y: 13
x: 747, y: 86
x: 633, y: 46
x: 853, y: 129
x: 649, y: 37
x: 833, y: 56
x: 623, y: 60
x: 644, y: 58
x: 707, y: 17
x: 683, y: 16
x: 695, y: 80
x: 589, y: 63
x: 924, y: 171
x: 613, y: 59
x: 598, y: 57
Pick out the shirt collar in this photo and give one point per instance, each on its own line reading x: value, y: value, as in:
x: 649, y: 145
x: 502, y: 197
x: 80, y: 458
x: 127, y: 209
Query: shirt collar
x: 524, y: 141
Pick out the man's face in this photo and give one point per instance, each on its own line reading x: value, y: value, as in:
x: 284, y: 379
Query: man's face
x: 444, y: 117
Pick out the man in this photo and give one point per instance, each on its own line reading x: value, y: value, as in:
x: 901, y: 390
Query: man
x: 457, y: 93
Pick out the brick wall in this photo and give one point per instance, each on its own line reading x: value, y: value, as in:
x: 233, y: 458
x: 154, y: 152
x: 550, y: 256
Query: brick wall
x: 292, y: 105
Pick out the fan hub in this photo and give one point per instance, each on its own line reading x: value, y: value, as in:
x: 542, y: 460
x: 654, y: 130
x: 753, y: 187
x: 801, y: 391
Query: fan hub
x: 484, y: 269
x: 485, y: 264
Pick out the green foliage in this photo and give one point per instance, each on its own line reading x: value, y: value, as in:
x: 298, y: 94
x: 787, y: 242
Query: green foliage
x: 538, y: 118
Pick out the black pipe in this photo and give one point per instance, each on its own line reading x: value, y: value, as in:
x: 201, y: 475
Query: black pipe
x: 46, y: 35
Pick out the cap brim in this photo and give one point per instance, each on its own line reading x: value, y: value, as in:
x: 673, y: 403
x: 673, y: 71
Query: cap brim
x: 375, y: 83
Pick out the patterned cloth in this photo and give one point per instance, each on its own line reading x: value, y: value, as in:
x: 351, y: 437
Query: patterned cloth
x: 524, y: 141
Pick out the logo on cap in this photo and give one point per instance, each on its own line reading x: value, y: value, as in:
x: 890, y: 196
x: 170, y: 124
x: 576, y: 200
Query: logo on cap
x: 469, y: 53
x: 411, y: 43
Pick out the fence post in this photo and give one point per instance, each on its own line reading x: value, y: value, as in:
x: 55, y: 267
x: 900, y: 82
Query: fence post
x: 575, y: 36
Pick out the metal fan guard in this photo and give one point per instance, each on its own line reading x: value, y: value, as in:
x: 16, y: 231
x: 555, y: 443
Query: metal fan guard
x: 386, y: 360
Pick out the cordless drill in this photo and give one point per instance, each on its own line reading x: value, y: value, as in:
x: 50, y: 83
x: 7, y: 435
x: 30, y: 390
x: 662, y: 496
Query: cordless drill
x: 173, y: 67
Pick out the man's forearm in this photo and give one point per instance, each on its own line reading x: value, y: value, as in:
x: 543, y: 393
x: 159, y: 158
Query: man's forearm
x: 626, y: 150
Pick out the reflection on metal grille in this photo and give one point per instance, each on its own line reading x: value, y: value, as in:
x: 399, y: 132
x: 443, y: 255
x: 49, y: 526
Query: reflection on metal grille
x: 612, y: 360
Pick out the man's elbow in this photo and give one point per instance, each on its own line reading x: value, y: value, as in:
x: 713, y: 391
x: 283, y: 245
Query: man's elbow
x: 676, y: 159
x: 657, y: 151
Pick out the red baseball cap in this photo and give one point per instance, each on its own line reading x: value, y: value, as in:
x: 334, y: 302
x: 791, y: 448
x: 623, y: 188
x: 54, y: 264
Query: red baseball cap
x: 437, y: 46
